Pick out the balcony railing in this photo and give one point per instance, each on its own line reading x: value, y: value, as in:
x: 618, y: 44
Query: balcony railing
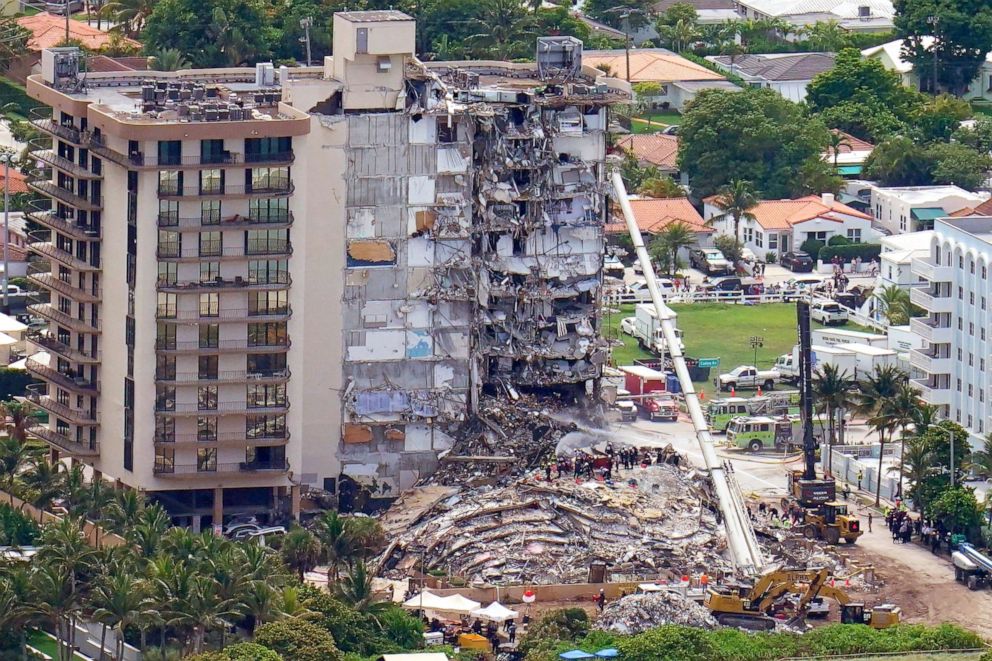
x: 77, y: 416
x: 49, y: 249
x: 221, y: 346
x: 66, y: 444
x: 225, y: 439
x: 52, y: 158
x: 275, y: 189
x: 139, y: 159
x: 225, y: 376
x: 66, y: 196
x: 49, y: 281
x: 50, y: 343
x: 221, y: 283
x: 67, y: 226
x: 74, y: 383
x: 217, y: 408
x: 61, y: 318
x: 65, y: 132
x: 194, y: 470
x: 212, y: 251
x: 166, y: 220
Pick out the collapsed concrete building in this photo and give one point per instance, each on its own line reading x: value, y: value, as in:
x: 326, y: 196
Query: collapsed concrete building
x: 261, y: 280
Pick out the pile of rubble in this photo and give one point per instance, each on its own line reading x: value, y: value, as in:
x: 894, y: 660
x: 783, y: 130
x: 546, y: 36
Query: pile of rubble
x: 639, y: 612
x: 532, y: 531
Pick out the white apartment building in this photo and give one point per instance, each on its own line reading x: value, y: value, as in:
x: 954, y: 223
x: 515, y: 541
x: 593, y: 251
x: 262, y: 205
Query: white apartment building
x: 901, y: 209
x: 955, y: 333
x: 259, y: 280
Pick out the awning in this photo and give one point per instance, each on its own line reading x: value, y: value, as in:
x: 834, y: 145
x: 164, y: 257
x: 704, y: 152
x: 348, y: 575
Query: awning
x: 848, y: 170
x: 928, y: 213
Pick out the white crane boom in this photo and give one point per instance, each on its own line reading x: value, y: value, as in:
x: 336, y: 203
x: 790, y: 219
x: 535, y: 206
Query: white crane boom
x: 742, y: 542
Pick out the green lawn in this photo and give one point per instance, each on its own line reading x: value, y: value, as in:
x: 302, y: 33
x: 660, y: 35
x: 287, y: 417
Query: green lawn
x: 718, y: 330
x: 46, y: 645
x: 659, y: 119
x: 982, y: 110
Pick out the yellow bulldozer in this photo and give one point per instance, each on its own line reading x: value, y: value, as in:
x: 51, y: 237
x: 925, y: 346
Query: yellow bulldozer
x: 823, y: 517
x: 748, y: 606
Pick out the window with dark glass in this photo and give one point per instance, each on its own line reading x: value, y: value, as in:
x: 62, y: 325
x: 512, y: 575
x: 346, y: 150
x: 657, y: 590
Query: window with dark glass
x: 212, y: 151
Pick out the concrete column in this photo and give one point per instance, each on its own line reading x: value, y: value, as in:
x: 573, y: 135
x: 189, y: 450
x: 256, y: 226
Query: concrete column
x: 195, y: 524
x: 294, y: 499
x: 218, y: 506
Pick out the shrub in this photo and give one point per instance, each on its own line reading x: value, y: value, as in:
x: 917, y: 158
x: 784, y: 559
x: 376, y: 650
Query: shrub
x: 298, y: 640
x: 866, y: 251
x: 838, y: 240
x: 668, y: 643
x: 566, y: 624
x: 16, y: 529
x: 812, y: 247
x: 771, y: 257
x: 729, y: 246
x: 251, y: 652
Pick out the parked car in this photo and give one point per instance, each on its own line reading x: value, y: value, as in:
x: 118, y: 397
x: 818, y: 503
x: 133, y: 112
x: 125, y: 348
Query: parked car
x: 59, y: 7
x: 828, y: 313
x: 670, y: 130
x: 628, y: 325
x: 611, y: 264
x: 748, y: 376
x: 731, y: 283
x: 639, y: 289
x: 625, y: 406
x: 797, y: 261
x: 710, y: 261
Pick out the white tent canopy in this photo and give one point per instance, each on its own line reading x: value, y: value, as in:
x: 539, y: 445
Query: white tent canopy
x: 458, y: 604
x: 426, y: 601
x: 495, y: 612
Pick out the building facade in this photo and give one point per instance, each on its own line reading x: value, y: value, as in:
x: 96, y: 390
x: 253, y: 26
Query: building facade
x: 902, y: 209
x: 259, y: 281
x: 955, y: 332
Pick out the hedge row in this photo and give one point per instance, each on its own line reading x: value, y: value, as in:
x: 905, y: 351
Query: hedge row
x: 866, y: 251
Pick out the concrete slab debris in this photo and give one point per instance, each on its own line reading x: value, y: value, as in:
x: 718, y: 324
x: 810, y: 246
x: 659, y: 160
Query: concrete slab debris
x: 638, y: 612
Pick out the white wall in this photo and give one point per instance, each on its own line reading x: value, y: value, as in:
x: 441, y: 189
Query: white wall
x: 891, y: 210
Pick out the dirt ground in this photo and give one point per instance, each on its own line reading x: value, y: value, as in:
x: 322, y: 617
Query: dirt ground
x: 919, y: 582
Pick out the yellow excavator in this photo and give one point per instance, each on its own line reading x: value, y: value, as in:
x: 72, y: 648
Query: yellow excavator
x: 748, y: 607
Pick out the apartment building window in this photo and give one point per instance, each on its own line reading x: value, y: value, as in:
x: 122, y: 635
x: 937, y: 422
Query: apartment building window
x: 210, y: 244
x: 211, y: 182
x: 985, y: 272
x: 971, y: 328
x: 748, y: 235
x: 209, y: 336
x: 267, y: 179
x: 960, y: 354
x: 212, y: 151
x: 961, y: 262
x: 210, y: 212
x: 902, y: 223
x: 210, y: 304
x: 982, y: 330
x: 206, y: 429
x: 981, y: 427
x: 983, y: 301
x: 268, y: 335
x: 981, y: 364
x: 960, y: 293
x: 206, y: 398
x: 262, y: 149
x: 165, y: 460
x: 209, y: 271
x: 260, y: 242
x: 207, y: 367
x: 165, y: 368
x: 960, y: 324
x: 169, y: 243
x: 170, y: 152
x: 267, y: 364
x: 65, y: 305
x: 62, y: 427
x: 167, y: 273
x: 981, y: 395
x: 165, y: 430
x: 165, y: 336
x: 262, y: 396
x: 170, y: 182
x: 971, y: 266
x: 206, y: 460
x: 166, y: 306
x: 268, y: 302
x: 759, y: 239
x: 268, y: 272
x: 854, y: 235
x: 970, y: 422
x: 773, y: 241
x: 971, y: 359
x: 165, y: 398
x: 265, y: 210
x: 959, y: 385
x: 265, y: 426
x: 168, y: 213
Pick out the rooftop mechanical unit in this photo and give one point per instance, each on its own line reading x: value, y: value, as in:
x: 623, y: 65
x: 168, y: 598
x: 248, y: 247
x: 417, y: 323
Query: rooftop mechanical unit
x: 559, y: 58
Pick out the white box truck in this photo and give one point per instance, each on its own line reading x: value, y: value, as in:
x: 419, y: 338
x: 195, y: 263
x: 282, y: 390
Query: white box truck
x: 867, y: 358
x: 828, y: 337
x: 839, y: 356
x: 647, y: 330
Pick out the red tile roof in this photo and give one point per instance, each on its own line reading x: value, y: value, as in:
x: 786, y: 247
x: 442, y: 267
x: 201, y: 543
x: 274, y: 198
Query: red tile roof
x: 109, y: 64
x: 783, y: 214
x: 656, y: 149
x: 48, y: 30
x: 654, y: 215
x: 856, y: 144
x: 18, y: 182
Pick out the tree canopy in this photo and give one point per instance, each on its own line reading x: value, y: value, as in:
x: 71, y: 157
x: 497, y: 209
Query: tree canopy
x: 218, y: 33
x: 753, y: 135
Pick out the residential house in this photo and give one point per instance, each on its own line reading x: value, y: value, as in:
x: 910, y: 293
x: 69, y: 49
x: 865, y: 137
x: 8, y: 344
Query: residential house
x: 779, y: 226
x: 983, y: 209
x: 708, y: 12
x: 786, y: 73
x: 851, y: 15
x: 890, y: 55
x: 850, y: 157
x: 654, y: 149
x: 900, y: 209
x: 653, y: 215
x: 679, y: 79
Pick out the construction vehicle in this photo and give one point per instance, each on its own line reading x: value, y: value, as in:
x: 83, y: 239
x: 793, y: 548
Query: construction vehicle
x: 750, y: 606
x: 971, y: 567
x: 823, y: 516
x: 721, y: 411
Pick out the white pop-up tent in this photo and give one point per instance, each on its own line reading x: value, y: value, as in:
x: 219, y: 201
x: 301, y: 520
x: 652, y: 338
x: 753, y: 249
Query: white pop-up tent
x: 495, y: 612
x: 456, y: 603
x: 426, y: 601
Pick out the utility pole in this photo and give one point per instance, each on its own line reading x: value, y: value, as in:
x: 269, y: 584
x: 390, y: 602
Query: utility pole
x: 306, y: 24
x: 66, y: 7
x: 626, y: 42
x: 6, y: 232
x: 950, y: 432
x: 756, y: 341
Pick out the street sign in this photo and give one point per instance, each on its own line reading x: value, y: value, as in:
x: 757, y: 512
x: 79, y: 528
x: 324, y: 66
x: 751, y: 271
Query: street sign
x: 709, y: 362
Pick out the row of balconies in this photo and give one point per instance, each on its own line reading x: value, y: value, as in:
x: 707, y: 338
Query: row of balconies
x: 208, y: 469
x: 270, y: 220
x: 222, y: 346
x: 274, y: 189
x: 215, y: 250
x: 217, y: 408
x: 217, y: 283
x: 170, y: 314
x: 225, y: 376
x: 224, y: 439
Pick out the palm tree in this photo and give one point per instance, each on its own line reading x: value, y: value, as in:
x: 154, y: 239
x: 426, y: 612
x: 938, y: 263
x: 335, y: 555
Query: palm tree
x: 14, y: 456
x: 56, y: 600
x: 875, y: 403
x: 501, y: 26
x: 902, y: 407
x: 339, y: 544
x: 882, y: 422
x: 301, y: 550
x: 44, y: 481
x: 17, y: 416
x: 668, y: 242
x: 355, y: 590
x: 131, y: 15
x: 736, y: 201
x: 825, y: 36
x: 679, y: 35
x: 147, y: 533
x: 916, y: 465
x: 15, y: 614
x: 894, y: 304
x: 168, y: 59
x: 662, y: 187
x: 119, y: 600
x: 925, y: 416
x: 368, y: 536
x: 837, y: 140
x: 64, y: 544
x: 831, y: 390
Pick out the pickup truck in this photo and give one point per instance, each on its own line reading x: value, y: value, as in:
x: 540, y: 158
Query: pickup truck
x: 828, y: 313
x: 663, y: 408
x: 748, y: 376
